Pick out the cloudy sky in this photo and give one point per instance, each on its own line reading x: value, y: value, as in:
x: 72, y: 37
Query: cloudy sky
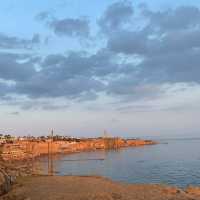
x: 82, y: 66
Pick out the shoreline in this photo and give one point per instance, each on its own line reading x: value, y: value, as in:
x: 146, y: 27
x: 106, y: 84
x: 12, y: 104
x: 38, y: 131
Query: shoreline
x: 27, y: 186
x: 17, y: 159
x: 93, y: 188
x: 13, y: 170
x: 25, y: 150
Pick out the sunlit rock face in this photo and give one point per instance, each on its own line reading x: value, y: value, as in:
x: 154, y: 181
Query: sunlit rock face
x: 26, y: 150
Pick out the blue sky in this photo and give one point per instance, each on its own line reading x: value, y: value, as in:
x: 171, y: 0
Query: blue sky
x: 130, y: 67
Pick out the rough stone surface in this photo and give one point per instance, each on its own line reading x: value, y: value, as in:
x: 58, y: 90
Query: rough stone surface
x: 9, y: 171
x: 192, y: 190
x: 90, y: 188
x: 22, y: 150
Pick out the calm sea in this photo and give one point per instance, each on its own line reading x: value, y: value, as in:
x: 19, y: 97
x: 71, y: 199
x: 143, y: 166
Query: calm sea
x: 175, y: 162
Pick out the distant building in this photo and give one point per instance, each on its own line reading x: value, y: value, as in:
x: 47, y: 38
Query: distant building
x: 2, y: 139
x: 6, y: 139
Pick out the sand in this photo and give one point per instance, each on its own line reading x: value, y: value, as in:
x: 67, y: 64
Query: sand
x: 90, y: 188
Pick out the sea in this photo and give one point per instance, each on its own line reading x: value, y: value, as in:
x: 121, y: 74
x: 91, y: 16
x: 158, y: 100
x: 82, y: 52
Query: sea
x: 172, y: 161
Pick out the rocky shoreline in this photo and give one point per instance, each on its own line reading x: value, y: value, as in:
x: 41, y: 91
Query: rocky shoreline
x: 16, y: 159
x: 18, y: 183
x: 16, y: 175
x: 10, y: 171
x: 93, y: 188
x: 29, y: 149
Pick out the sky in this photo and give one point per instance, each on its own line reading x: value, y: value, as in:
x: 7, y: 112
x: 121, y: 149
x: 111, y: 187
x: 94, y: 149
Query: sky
x: 81, y: 67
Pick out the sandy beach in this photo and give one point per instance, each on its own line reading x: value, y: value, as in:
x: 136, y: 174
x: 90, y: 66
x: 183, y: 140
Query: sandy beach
x: 91, y: 188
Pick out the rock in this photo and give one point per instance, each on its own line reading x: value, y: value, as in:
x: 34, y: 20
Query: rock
x: 5, y: 183
x: 192, y: 190
x: 171, y: 190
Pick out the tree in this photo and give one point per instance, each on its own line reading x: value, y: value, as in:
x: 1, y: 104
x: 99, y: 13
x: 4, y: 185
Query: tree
x: 8, y: 137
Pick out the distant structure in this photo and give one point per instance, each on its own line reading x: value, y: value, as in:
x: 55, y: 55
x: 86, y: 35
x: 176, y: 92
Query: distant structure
x: 110, y: 142
x: 105, y: 134
x: 50, y: 154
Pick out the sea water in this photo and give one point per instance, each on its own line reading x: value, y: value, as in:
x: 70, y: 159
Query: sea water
x: 174, y: 162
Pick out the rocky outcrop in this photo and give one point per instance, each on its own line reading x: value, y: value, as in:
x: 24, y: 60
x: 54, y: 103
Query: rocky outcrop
x: 192, y: 190
x: 9, y: 171
x: 27, y: 150
x: 138, y: 142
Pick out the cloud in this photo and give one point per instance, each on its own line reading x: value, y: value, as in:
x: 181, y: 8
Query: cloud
x: 79, y: 64
x: 75, y: 76
x: 14, y: 113
x: 15, y: 67
x: 73, y: 88
x: 36, y: 39
x: 71, y: 27
x: 180, y: 18
x: 25, y: 103
x: 116, y: 15
x: 8, y: 42
x: 167, y: 46
x: 4, y: 90
x: 71, y: 76
x: 45, y: 15
x: 66, y: 27
x: 135, y: 64
x: 130, y: 90
x: 128, y: 42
